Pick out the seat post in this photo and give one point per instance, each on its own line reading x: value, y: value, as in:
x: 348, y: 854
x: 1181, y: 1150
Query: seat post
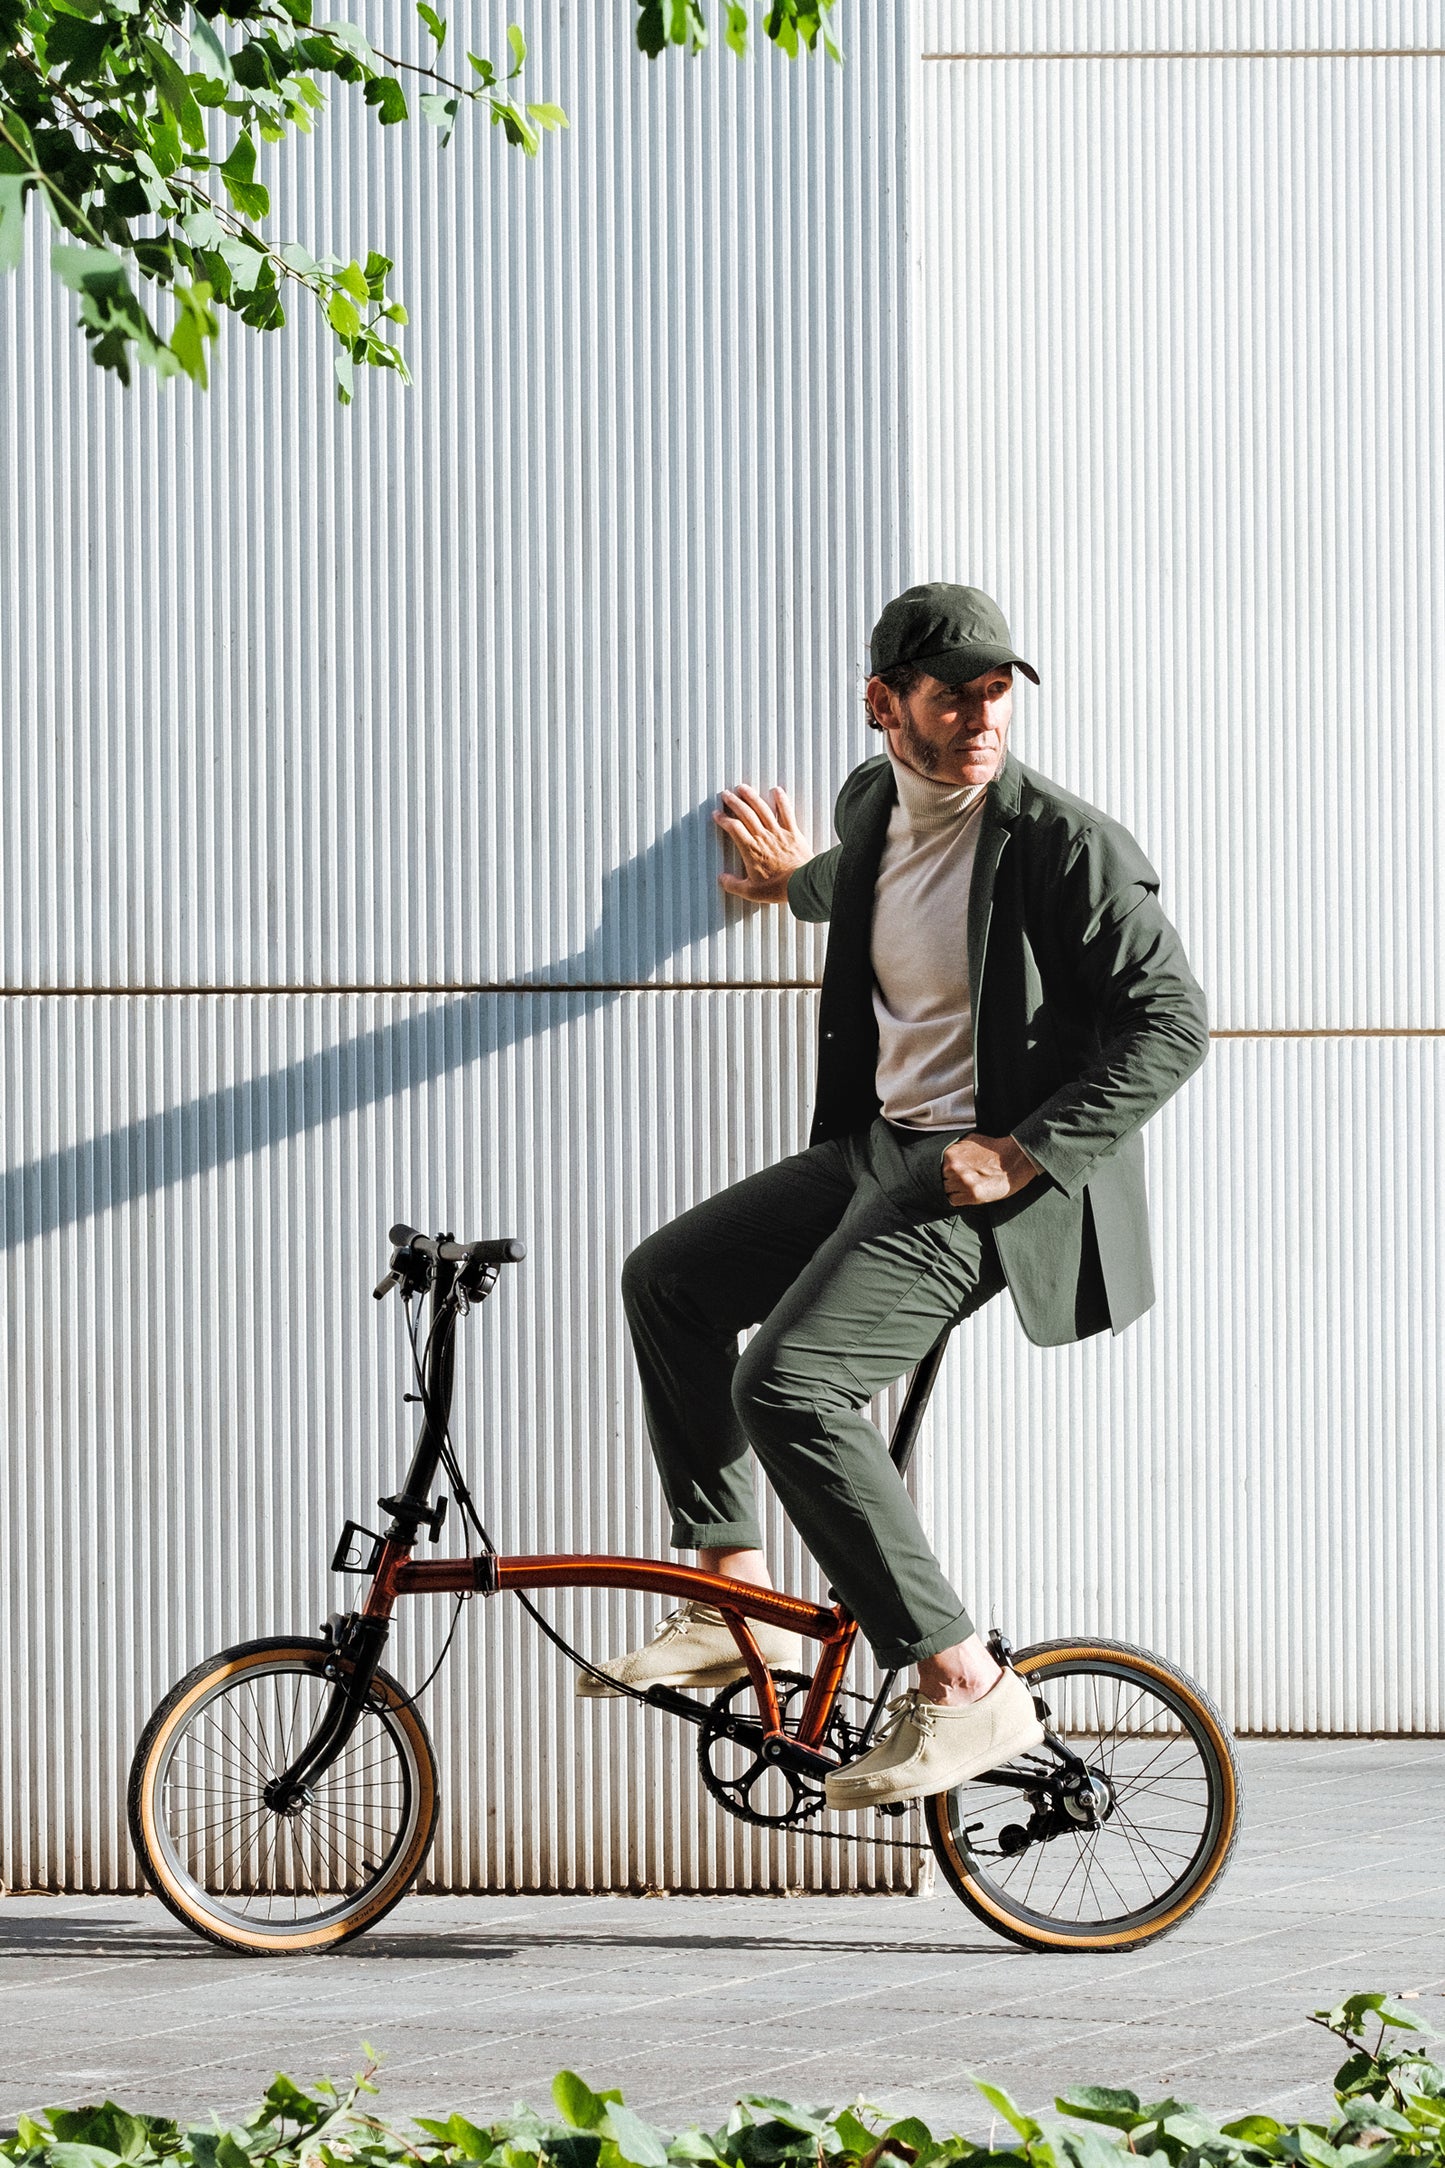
x: 915, y: 1403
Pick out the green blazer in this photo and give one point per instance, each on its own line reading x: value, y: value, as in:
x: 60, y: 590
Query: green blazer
x: 1086, y: 1018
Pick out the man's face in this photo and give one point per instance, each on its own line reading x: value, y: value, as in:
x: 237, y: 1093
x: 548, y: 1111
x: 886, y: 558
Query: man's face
x: 950, y: 733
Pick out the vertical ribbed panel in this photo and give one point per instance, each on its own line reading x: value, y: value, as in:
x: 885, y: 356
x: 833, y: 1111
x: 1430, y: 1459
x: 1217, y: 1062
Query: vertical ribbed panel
x: 1250, y: 1479
x: 1203, y: 26
x: 1179, y: 388
x: 440, y: 689
x: 198, y: 1388
x: 436, y: 693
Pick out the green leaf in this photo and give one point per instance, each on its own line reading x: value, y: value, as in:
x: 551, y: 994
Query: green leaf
x: 353, y: 278
x: 637, y: 2142
x: 441, y: 111
x: 78, y: 47
x: 1101, y: 2104
x: 175, y: 94
x: 484, y: 69
x: 457, y: 2133
x: 13, y: 188
x: 248, y: 195
x: 548, y: 116
x: 300, y: 260
x: 195, y: 324
x: 1008, y: 2108
x: 342, y: 315
x: 208, y: 46
x: 577, y: 2104
x: 506, y: 117
x: 374, y: 274
x: 433, y: 22
x: 354, y: 41
x: 518, y: 44
x: 385, y: 91
x: 1260, y: 2130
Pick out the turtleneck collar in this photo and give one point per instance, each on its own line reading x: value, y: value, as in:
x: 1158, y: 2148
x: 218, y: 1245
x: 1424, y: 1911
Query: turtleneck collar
x: 927, y: 804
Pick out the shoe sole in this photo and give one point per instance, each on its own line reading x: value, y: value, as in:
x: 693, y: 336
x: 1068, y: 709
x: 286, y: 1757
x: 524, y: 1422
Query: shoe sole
x: 590, y: 1688
x: 895, y: 1795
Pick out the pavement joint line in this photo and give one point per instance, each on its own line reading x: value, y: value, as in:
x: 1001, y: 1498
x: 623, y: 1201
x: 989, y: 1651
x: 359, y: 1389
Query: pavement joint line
x: 752, y: 2020
x: 1233, y: 2047
x: 435, y: 2056
x: 268, y: 2008
x: 1223, y: 1994
x: 987, y: 1959
x: 171, y: 2032
x: 641, y: 2003
x: 1067, y: 2039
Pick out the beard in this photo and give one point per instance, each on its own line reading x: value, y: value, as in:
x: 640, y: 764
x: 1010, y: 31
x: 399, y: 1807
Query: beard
x: 916, y: 749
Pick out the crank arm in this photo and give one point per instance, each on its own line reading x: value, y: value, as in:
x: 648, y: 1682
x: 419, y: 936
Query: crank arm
x: 774, y: 1747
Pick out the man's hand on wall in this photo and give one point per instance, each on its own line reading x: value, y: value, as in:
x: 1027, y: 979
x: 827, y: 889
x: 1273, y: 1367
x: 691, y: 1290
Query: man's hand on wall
x: 769, y: 840
x: 985, y: 1170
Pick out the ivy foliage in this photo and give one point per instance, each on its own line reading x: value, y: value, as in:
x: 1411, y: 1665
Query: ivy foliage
x: 1389, y: 2107
x: 137, y: 124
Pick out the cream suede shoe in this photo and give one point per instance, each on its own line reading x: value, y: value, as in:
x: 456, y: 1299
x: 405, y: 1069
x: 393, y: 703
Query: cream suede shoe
x: 931, y: 1745
x: 692, y: 1647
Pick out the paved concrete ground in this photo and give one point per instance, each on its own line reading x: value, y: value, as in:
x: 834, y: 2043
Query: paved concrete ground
x: 1338, y: 1883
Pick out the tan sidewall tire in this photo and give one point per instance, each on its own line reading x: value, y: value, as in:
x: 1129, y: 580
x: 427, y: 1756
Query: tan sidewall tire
x: 1042, y: 1657
x: 150, y: 1756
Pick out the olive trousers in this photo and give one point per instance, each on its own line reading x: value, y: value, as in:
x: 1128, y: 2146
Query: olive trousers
x: 851, y: 1261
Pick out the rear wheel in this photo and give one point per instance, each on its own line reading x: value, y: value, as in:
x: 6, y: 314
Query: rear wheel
x: 254, y: 1877
x: 1118, y: 1826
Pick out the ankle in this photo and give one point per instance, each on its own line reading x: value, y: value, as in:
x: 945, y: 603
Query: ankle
x: 960, y: 1674
x: 749, y: 1566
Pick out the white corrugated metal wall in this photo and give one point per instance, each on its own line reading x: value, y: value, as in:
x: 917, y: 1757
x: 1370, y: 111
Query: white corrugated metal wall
x: 327, y: 734
x: 1176, y: 398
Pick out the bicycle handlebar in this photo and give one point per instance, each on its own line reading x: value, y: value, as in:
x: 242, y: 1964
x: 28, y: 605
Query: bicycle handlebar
x: 502, y: 1250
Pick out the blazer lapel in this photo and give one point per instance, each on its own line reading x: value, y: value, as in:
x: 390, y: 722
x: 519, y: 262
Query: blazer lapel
x: 999, y: 808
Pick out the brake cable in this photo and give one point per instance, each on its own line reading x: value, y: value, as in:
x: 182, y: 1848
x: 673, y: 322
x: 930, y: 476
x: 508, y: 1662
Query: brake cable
x: 449, y: 1461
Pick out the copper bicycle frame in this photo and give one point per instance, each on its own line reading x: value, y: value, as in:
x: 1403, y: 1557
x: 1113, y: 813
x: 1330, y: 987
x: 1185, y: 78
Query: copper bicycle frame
x: 395, y: 1572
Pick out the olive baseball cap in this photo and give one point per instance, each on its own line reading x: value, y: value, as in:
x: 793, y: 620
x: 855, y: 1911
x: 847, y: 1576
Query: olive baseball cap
x: 954, y: 633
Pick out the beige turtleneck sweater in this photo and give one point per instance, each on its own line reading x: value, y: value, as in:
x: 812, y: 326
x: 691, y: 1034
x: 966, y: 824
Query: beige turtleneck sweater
x: 921, y: 994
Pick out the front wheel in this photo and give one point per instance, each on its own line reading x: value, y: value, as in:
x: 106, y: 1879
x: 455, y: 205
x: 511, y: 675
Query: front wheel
x: 249, y: 1875
x: 1118, y: 1826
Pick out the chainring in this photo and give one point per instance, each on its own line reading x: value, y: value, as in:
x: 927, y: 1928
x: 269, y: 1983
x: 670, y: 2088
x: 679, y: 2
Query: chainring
x: 756, y: 1790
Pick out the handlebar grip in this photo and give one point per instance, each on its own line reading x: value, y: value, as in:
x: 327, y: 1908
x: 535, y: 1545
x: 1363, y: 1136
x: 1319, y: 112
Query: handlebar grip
x: 503, y: 1250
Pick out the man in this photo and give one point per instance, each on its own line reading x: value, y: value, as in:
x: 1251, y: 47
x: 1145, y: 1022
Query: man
x: 1004, y: 1004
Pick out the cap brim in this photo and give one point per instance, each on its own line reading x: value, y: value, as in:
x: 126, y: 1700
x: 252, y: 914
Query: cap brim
x: 960, y: 665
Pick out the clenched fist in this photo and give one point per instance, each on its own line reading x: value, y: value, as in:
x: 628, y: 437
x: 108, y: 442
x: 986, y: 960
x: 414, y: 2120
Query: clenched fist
x: 769, y: 840
x: 985, y: 1170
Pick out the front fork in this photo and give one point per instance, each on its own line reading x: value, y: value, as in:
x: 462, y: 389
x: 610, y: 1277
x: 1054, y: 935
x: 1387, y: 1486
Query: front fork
x: 356, y: 1643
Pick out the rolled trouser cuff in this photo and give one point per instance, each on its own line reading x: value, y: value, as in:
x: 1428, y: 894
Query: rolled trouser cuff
x: 715, y: 1535
x: 911, y: 1652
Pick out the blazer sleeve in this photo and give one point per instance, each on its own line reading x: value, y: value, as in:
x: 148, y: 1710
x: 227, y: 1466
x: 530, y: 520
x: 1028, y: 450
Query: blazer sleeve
x: 1149, y: 1010
x: 810, y: 886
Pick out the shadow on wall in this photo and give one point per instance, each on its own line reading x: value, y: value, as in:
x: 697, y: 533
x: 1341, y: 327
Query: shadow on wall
x: 667, y: 896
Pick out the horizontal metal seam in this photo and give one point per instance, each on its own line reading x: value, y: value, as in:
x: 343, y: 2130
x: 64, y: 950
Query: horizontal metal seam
x: 633, y: 986
x: 1261, y: 52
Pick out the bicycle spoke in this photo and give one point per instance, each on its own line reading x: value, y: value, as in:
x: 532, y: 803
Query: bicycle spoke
x: 262, y: 1866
